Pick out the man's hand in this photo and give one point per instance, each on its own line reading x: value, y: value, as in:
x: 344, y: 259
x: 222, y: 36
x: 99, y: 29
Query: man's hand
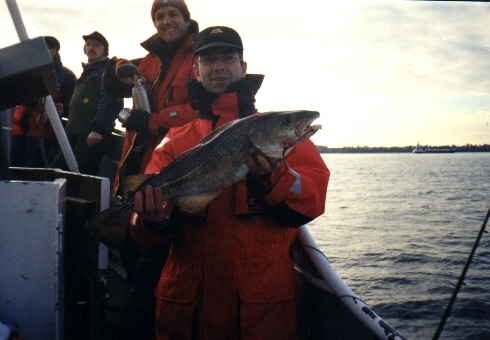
x: 150, y: 206
x: 260, y: 165
x: 138, y: 121
x: 94, y: 138
x: 128, y: 73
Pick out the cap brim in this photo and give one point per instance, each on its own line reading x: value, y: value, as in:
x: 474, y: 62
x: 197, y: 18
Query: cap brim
x: 217, y: 44
x: 94, y: 37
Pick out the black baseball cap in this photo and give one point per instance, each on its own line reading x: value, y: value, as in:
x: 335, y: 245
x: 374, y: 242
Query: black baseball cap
x: 217, y: 36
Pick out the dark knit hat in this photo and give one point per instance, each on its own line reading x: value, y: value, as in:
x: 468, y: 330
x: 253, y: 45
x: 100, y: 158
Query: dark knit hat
x: 179, y: 4
x: 217, y: 36
x: 100, y: 38
x: 52, y: 42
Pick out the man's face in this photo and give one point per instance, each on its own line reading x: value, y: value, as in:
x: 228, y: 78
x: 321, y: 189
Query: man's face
x: 170, y: 24
x: 216, y: 68
x: 53, y: 52
x: 94, y: 49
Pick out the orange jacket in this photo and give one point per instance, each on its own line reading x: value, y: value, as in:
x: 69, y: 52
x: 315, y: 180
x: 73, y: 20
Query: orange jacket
x: 231, y: 263
x: 168, y: 97
x: 66, y: 84
x: 32, y: 125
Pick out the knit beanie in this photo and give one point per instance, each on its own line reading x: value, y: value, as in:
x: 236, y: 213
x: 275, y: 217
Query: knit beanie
x: 179, y: 4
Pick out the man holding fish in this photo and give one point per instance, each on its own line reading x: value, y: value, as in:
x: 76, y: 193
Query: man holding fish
x: 229, y: 273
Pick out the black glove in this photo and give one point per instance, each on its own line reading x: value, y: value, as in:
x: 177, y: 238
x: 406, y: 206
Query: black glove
x: 200, y: 99
x: 257, y: 186
x: 138, y: 121
x: 112, y: 85
x: 127, y: 70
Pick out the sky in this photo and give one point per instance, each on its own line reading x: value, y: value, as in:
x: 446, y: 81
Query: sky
x: 381, y: 73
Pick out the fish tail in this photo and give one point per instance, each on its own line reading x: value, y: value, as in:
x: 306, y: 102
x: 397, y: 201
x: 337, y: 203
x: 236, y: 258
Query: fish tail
x: 109, y: 226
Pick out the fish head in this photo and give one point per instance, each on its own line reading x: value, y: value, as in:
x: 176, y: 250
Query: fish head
x: 276, y: 133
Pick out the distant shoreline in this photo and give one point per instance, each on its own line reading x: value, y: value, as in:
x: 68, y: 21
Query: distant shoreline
x: 396, y: 149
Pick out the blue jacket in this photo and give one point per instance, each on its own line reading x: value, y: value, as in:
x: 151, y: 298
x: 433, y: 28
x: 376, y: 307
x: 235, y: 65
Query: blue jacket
x: 66, y: 83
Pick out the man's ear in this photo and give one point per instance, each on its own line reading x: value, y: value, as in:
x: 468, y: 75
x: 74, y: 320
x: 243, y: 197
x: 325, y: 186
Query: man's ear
x: 196, y: 71
x: 244, y: 69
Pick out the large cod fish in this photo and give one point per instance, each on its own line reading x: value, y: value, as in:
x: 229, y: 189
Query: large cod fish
x: 197, y: 176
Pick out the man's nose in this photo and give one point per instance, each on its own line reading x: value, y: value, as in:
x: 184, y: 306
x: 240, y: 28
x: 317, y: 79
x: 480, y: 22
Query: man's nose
x: 218, y: 63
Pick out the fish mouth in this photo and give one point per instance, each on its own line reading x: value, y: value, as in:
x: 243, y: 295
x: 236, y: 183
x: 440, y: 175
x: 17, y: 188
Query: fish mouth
x: 308, y: 131
x: 302, y: 133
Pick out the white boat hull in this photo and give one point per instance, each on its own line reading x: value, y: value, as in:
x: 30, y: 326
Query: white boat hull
x: 329, y: 308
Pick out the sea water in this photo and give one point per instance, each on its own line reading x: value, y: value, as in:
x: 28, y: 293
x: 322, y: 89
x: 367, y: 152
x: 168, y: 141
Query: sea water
x: 399, y: 229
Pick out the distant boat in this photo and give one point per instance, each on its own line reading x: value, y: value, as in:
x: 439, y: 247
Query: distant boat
x: 420, y: 149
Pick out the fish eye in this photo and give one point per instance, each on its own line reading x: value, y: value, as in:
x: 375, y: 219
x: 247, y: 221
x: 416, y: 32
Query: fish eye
x: 288, y: 120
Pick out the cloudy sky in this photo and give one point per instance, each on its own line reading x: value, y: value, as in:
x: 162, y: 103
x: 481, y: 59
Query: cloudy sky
x: 388, y: 73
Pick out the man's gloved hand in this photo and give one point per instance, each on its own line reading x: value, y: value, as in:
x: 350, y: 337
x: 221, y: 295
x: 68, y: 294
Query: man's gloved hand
x: 127, y: 70
x: 138, y: 121
x: 112, y: 85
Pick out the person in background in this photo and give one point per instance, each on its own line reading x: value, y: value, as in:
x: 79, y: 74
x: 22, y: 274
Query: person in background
x: 164, y: 70
x: 229, y: 273
x: 33, y: 138
x: 92, y: 112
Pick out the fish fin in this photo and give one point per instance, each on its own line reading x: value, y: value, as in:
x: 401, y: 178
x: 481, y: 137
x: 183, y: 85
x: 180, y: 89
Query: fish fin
x: 109, y: 226
x: 130, y: 184
x: 179, y: 158
x: 216, y: 132
x: 195, y: 203
x: 213, y: 134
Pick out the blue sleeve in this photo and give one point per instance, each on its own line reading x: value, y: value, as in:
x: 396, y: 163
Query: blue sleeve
x: 67, y: 86
x: 107, y: 110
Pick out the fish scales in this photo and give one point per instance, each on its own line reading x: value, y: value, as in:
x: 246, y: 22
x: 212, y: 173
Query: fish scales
x: 196, y: 177
x: 209, y: 168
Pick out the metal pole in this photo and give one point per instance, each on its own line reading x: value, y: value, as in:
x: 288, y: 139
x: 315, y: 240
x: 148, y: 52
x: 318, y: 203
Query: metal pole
x: 50, y: 108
